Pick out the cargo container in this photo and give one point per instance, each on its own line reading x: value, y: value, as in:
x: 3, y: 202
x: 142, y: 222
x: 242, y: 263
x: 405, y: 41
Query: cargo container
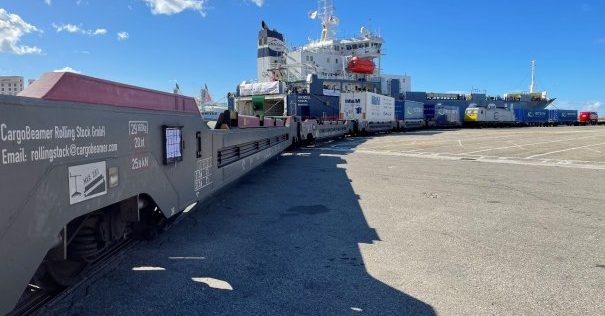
x: 447, y: 115
x: 429, y: 115
x: 531, y: 117
x: 310, y: 106
x: 562, y: 117
x: 399, y: 105
x: 372, y: 112
x: 409, y: 114
x: 588, y: 118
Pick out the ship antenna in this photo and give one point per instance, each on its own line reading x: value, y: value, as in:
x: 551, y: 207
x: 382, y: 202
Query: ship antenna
x: 532, y: 85
x: 328, y: 20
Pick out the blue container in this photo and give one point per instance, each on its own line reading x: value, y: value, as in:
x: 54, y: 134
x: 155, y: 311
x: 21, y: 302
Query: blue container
x: 413, y: 110
x: 519, y: 116
x: 531, y: 116
x: 399, y: 110
x: 536, y: 116
x: 562, y: 116
x: 313, y: 106
x: 447, y: 115
x: 429, y: 112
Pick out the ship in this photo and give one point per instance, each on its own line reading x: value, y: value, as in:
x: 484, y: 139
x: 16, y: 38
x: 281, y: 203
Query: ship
x: 209, y: 110
x: 532, y: 100
x: 307, y: 81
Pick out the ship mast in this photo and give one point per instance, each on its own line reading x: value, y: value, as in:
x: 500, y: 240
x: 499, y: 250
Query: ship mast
x: 532, y: 85
x: 328, y: 19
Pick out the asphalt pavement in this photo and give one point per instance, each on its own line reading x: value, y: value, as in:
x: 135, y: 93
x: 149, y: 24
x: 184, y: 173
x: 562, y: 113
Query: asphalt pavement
x: 420, y: 223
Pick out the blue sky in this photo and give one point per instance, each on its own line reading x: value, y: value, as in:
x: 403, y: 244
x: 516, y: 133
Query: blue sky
x: 444, y: 45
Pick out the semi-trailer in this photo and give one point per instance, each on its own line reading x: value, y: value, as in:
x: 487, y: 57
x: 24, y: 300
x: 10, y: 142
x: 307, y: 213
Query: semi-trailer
x: 531, y: 117
x: 447, y: 116
x: 562, y: 117
x: 371, y: 112
x: 409, y: 114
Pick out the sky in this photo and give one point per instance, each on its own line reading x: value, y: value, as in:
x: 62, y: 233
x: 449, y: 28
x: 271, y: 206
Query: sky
x: 444, y: 45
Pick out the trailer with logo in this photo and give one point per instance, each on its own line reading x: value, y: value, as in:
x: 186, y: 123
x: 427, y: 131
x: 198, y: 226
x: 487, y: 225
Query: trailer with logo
x: 531, y: 117
x: 409, y: 114
x: 447, y: 116
x: 562, y: 117
x: 371, y: 112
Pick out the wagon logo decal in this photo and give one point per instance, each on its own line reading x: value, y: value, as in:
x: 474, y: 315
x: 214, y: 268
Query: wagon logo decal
x: 87, y: 182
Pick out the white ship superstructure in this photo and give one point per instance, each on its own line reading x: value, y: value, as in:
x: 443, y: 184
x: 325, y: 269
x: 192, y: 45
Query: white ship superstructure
x: 356, y: 58
x: 308, y: 81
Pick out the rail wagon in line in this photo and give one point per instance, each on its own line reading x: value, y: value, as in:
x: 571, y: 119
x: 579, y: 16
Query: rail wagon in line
x: 86, y: 163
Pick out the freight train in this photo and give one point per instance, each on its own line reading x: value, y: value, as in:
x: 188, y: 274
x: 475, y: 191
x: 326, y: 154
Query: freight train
x: 504, y: 116
x: 86, y: 163
x: 362, y: 111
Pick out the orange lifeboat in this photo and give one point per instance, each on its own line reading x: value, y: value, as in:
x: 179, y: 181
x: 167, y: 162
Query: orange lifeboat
x: 361, y: 66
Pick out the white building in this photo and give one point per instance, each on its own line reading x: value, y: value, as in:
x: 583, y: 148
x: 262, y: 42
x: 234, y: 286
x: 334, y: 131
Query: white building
x: 11, y: 85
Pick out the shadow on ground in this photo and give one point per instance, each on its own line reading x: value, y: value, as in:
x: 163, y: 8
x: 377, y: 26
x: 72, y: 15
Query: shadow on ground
x: 282, y: 241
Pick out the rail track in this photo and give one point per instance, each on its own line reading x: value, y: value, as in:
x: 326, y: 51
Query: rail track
x: 35, y: 298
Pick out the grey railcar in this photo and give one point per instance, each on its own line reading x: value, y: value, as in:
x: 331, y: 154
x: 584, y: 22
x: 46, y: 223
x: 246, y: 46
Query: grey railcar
x: 68, y: 167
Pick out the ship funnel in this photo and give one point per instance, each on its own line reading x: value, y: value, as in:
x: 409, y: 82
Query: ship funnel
x: 271, y: 53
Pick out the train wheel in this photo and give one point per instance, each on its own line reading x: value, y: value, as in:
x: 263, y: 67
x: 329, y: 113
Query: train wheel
x: 65, y: 273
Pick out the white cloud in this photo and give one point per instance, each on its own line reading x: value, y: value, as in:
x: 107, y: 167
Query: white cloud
x: 12, y: 28
x: 68, y: 69
x: 47, y: 2
x: 99, y: 32
x: 593, y: 106
x: 122, y: 36
x: 600, y: 40
x: 169, y: 7
x: 71, y: 28
x: 259, y: 3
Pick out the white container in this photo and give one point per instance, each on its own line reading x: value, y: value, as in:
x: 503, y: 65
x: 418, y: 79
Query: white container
x: 367, y: 106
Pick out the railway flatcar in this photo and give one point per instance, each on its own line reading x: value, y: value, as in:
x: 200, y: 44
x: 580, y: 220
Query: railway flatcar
x: 86, y: 163
x: 315, y: 116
